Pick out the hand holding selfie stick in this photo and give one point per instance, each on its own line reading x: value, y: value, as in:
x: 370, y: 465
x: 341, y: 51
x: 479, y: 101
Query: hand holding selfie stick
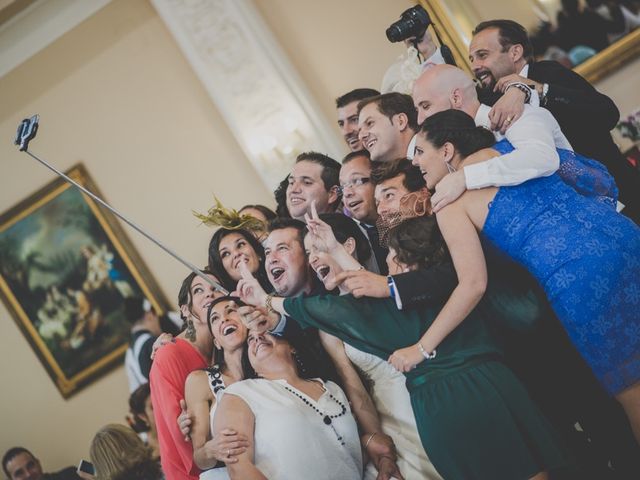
x: 27, y: 131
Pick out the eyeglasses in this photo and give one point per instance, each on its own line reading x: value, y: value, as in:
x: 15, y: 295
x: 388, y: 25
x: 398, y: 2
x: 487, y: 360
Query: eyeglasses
x: 357, y: 182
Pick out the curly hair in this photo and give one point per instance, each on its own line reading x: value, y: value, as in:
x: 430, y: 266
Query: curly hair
x: 418, y: 243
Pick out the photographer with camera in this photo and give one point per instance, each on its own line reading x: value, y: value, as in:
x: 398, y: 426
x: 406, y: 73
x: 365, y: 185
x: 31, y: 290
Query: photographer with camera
x: 422, y: 52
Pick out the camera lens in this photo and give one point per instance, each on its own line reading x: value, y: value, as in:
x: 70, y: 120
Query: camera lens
x: 413, y: 23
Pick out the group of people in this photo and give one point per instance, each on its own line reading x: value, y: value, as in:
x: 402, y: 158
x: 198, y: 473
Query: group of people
x: 456, y: 299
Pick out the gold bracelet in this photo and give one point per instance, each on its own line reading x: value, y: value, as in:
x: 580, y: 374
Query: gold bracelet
x: 366, y: 444
x: 268, y: 306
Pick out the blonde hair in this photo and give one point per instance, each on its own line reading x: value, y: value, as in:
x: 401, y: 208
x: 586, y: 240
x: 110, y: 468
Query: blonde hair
x: 116, y: 449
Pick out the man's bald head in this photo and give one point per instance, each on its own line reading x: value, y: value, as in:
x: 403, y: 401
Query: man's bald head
x: 442, y: 87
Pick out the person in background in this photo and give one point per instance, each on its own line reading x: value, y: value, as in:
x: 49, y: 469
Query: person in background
x: 141, y: 418
x: 347, y: 106
x: 117, y: 453
x: 19, y: 463
x: 145, y: 328
x: 421, y: 53
x: 260, y: 212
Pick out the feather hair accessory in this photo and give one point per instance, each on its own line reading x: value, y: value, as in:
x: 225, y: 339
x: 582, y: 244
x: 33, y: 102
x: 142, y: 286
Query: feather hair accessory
x: 229, y: 219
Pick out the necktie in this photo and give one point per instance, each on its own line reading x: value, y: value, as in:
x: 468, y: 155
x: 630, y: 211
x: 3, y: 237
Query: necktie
x: 379, y: 252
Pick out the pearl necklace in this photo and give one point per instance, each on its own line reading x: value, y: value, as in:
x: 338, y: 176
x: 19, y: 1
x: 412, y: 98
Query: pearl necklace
x: 327, y: 419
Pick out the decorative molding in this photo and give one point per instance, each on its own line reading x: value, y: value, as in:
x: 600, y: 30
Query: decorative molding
x: 250, y: 80
x: 39, y: 25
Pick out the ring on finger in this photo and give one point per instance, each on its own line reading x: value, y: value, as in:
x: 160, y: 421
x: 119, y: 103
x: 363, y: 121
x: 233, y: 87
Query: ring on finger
x: 228, y: 453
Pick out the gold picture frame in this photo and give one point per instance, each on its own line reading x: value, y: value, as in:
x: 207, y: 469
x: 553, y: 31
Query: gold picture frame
x: 597, y: 67
x: 66, y: 266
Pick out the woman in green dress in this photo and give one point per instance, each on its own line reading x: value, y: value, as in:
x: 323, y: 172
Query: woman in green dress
x: 475, y: 419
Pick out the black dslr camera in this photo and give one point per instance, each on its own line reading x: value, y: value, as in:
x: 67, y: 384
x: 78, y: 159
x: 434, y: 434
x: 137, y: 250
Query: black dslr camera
x: 413, y: 23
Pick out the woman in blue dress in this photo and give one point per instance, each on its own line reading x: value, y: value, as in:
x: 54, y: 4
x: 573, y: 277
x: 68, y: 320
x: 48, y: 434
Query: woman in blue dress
x: 584, y: 255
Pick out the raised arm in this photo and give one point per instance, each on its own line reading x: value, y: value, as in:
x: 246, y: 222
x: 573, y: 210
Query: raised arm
x: 378, y: 445
x: 468, y: 259
x: 534, y: 154
x: 233, y: 412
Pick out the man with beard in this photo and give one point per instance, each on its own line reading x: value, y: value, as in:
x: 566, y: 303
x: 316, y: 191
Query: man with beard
x: 347, y: 106
x: 501, y: 55
x: 534, y: 136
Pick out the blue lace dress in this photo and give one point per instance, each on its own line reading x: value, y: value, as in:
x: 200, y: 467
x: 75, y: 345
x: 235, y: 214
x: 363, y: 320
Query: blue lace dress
x: 585, y: 256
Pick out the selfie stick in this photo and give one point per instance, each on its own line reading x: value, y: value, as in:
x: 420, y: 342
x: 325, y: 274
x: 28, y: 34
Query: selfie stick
x: 27, y: 131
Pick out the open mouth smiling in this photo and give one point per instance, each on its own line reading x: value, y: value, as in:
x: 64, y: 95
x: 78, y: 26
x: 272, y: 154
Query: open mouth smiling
x: 229, y: 329
x: 354, y: 204
x: 352, y: 140
x: 296, y: 200
x: 276, y: 273
x: 323, y: 271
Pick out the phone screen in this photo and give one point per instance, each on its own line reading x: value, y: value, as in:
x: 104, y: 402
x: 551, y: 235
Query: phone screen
x: 86, y: 467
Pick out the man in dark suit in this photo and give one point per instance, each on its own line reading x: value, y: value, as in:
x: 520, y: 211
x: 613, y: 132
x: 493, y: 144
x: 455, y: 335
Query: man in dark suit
x: 501, y: 55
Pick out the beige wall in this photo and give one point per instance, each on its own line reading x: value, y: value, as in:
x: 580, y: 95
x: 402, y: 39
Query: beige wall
x: 336, y: 45
x: 116, y: 94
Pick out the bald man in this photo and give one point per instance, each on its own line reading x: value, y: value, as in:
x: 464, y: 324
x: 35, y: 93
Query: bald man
x: 534, y: 136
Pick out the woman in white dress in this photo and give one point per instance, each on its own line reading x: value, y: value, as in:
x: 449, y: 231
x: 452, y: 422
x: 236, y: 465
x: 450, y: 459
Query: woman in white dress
x: 298, y: 427
x: 204, y: 389
x: 388, y: 390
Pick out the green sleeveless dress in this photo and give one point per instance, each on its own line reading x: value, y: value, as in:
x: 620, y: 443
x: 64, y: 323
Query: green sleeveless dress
x: 475, y: 419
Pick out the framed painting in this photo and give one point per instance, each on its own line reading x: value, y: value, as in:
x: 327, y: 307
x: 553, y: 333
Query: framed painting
x: 66, y: 267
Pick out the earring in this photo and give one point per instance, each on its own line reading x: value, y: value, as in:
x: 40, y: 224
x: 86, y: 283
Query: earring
x: 449, y: 167
x: 302, y: 370
x: 190, y: 332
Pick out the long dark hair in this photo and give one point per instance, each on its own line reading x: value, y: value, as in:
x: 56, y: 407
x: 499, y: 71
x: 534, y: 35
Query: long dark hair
x: 418, y: 242
x: 215, y: 262
x: 184, y: 295
x: 218, y: 353
x: 459, y: 129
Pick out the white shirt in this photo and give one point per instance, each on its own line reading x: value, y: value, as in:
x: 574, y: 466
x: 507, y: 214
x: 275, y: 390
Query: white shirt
x: 534, y: 136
